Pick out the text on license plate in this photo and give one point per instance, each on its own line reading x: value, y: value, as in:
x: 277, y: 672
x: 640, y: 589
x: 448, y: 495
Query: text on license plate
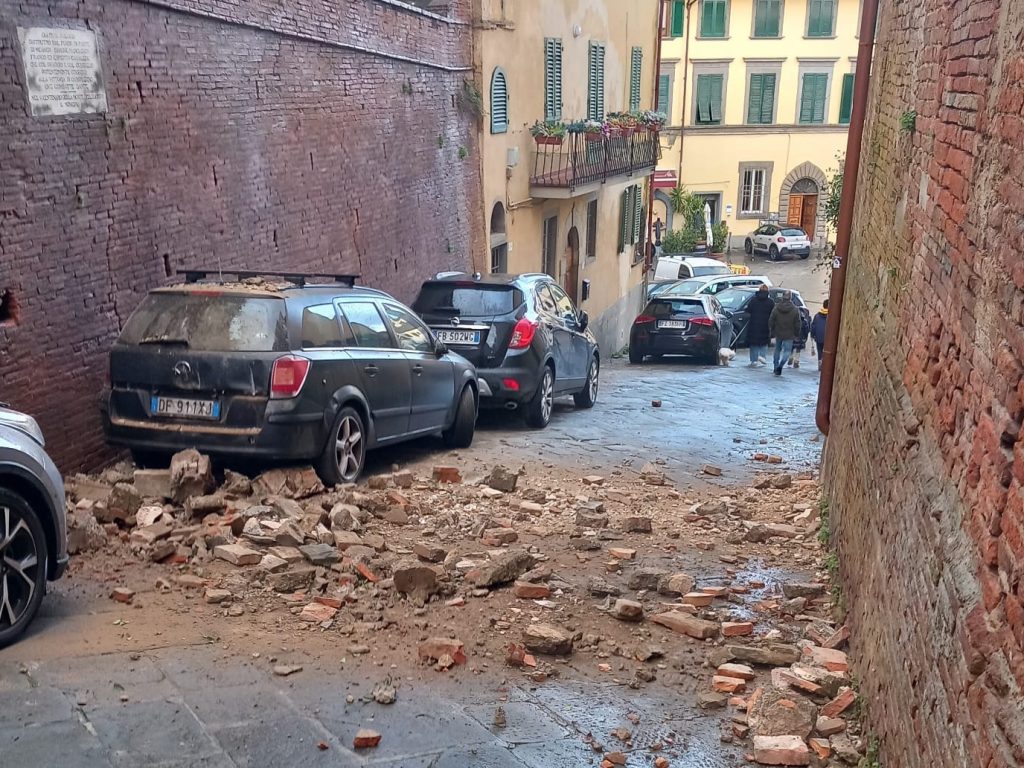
x: 458, y: 337
x: 184, y: 407
x: 672, y: 323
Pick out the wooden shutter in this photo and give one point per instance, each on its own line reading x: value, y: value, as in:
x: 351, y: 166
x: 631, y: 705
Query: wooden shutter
x: 637, y: 212
x: 635, y: 71
x: 595, y: 82
x: 715, y: 106
x: 678, y: 14
x: 664, y: 84
x: 552, y: 78
x: 703, y: 97
x: 755, y: 99
x: 712, y: 21
x: 812, y: 99
x: 766, y: 18
x: 846, y: 102
x: 623, y: 219
x: 819, y: 18
x: 499, y: 102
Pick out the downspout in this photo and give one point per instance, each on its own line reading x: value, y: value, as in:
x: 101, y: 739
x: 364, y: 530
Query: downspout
x: 837, y: 288
x: 649, y: 242
x: 686, y: 83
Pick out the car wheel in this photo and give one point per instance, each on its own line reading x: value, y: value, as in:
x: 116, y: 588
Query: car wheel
x: 345, y: 453
x: 773, y: 253
x: 150, y: 459
x: 748, y: 246
x: 23, y: 559
x: 635, y: 356
x: 587, y: 396
x: 538, y: 410
x: 805, y: 255
x: 460, y: 433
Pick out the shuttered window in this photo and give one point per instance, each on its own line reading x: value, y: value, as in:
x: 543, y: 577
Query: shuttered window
x: 821, y: 17
x: 631, y: 216
x: 635, y: 70
x: 595, y: 82
x: 499, y: 102
x: 761, y: 101
x: 592, y: 229
x: 552, y: 78
x: 664, y: 91
x: 846, y: 102
x: 713, y: 17
x: 638, y: 212
x: 709, y: 99
x: 678, y: 14
x: 767, y: 18
x: 812, y: 98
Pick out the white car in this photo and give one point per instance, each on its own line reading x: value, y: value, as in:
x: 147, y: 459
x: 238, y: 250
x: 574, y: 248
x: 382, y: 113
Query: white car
x: 777, y: 241
x: 712, y: 285
x: 680, y: 268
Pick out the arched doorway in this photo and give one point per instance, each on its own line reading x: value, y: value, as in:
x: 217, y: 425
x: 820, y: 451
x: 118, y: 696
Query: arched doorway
x: 498, y: 240
x: 803, y: 206
x: 571, y: 277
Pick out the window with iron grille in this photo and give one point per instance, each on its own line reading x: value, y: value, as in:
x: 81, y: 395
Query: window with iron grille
x: 552, y: 78
x: 595, y: 81
x: 592, y: 229
x: 767, y: 18
x: 752, y: 196
x: 499, y: 102
x: 635, y: 71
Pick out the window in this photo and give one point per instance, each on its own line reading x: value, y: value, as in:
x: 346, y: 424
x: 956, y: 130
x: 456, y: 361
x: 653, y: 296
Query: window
x: 665, y: 94
x: 499, y: 259
x: 709, y: 99
x: 592, y: 229
x: 846, y: 102
x: 595, y: 81
x: 635, y: 67
x: 368, y: 326
x: 821, y: 18
x: 552, y: 78
x: 752, y: 191
x: 673, y: 15
x: 767, y: 18
x: 411, y: 334
x: 565, y: 309
x: 550, y: 245
x: 713, y: 18
x: 630, y: 216
x: 813, y: 95
x: 499, y: 102
x: 761, y: 99
x: 320, y: 327
x: 467, y: 301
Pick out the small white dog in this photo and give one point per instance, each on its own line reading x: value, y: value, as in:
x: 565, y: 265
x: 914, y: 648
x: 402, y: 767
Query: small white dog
x: 725, y: 356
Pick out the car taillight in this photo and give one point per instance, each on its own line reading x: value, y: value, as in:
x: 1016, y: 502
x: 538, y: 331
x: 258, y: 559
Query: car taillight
x: 702, y: 321
x: 288, y: 376
x: 644, y: 319
x: 781, y: 240
x: 523, y: 333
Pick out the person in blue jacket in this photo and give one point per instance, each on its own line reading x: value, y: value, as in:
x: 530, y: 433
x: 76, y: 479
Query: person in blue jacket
x: 818, y: 329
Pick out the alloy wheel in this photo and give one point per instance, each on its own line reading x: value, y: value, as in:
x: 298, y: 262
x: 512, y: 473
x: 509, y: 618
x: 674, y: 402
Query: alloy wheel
x: 19, y: 564
x: 349, y: 447
x: 547, y: 398
x: 594, y: 373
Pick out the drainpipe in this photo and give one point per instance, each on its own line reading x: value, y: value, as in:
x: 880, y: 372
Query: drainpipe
x: 686, y: 83
x: 823, y: 414
x: 649, y: 242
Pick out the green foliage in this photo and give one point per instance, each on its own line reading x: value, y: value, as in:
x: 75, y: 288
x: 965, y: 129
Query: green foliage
x: 825, y: 531
x: 721, y: 235
x: 689, y: 209
x: 440, y: 141
x: 871, y: 759
x: 463, y: 152
x: 833, y: 193
x: 471, y: 100
x: 908, y: 121
x: 679, y: 241
x: 548, y: 128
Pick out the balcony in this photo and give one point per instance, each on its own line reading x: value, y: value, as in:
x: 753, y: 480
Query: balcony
x: 581, y: 163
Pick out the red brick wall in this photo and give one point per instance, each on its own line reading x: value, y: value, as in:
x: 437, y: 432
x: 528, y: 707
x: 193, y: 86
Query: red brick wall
x: 924, y: 465
x: 247, y: 133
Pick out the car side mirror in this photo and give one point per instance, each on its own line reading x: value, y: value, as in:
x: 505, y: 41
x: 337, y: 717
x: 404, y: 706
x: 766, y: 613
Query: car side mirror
x: 440, y: 348
x: 583, y: 319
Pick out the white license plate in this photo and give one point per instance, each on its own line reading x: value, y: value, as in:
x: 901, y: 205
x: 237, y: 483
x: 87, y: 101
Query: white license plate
x: 672, y: 323
x: 183, y: 407
x: 458, y: 337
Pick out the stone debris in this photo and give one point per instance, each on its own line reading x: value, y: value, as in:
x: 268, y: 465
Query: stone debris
x: 190, y: 474
x: 503, y: 479
x: 122, y: 595
x: 284, y: 670
x: 781, y: 750
x: 547, y: 639
x: 628, y: 610
x: 237, y: 554
x: 506, y: 568
x: 366, y: 739
x: 685, y: 624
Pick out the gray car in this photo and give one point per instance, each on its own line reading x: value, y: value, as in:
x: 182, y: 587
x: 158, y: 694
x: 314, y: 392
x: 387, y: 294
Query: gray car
x: 33, y: 524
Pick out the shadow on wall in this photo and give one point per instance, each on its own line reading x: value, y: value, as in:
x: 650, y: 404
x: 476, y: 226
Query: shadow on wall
x: 611, y: 327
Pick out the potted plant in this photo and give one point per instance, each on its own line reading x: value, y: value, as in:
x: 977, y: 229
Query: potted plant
x: 651, y: 120
x: 595, y: 130
x: 622, y: 123
x: 548, y: 131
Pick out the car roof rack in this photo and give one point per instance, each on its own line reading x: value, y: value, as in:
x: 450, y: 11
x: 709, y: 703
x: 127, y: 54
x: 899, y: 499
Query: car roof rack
x: 299, y: 279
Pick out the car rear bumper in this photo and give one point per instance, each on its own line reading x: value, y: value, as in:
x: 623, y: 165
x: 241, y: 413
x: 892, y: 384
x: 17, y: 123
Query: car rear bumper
x: 503, y: 385
x: 804, y: 250
x: 670, y: 344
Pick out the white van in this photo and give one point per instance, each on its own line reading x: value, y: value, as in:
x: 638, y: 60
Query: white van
x: 680, y: 268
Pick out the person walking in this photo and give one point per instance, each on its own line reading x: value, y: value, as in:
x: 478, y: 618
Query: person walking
x: 818, y: 329
x: 758, y: 332
x: 800, y: 341
x: 784, y: 325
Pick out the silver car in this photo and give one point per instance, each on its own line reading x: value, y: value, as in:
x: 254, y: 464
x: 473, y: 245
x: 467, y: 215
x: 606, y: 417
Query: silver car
x: 33, y: 523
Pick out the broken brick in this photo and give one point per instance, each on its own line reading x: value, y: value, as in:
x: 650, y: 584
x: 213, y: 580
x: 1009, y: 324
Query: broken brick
x: 447, y: 475
x: 739, y: 671
x: 621, y: 553
x: 781, y: 750
x: 366, y: 739
x: 317, y: 613
x: 527, y: 591
x: 122, y: 594
x: 436, y: 648
x: 724, y: 684
x: 737, y: 628
x: 839, y: 704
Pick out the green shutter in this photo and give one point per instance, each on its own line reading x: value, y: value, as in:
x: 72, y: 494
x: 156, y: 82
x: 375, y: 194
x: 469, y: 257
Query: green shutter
x: 499, y: 102
x: 664, y: 84
x: 709, y: 99
x: 678, y: 14
x: 846, y: 102
x: 637, y: 212
x: 768, y: 99
x: 767, y: 18
x: 812, y: 99
x: 623, y: 219
x: 552, y: 78
x: 595, y: 81
x: 820, y: 15
x: 712, y: 18
x: 762, y: 98
x: 635, y: 71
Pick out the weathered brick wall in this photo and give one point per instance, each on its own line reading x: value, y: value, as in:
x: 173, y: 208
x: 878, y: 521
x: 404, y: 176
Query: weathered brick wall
x: 924, y: 465
x: 315, y: 134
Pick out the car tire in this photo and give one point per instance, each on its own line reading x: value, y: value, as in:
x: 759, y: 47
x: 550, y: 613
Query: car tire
x: 26, y: 541
x: 804, y: 256
x: 773, y: 254
x: 538, y: 410
x: 460, y: 433
x: 635, y: 356
x: 587, y: 396
x: 144, y: 459
x: 748, y: 246
x: 344, y: 455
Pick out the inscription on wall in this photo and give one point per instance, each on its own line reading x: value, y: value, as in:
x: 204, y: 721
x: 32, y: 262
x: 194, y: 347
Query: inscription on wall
x: 62, y: 71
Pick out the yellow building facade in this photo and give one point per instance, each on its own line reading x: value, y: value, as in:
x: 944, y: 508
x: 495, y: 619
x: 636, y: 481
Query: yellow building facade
x: 759, y: 95
x: 575, y: 209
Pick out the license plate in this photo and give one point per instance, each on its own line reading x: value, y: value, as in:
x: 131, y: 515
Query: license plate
x: 672, y: 323
x: 182, y: 407
x: 458, y: 337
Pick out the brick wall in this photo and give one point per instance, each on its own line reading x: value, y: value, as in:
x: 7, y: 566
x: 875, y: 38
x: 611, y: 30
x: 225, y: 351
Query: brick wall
x: 315, y: 134
x: 924, y: 465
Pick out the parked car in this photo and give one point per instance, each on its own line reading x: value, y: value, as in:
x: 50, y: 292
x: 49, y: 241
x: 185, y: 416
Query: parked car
x: 281, y: 367
x: 33, y: 526
x: 678, y: 325
x: 735, y: 301
x: 527, y: 340
x: 680, y: 268
x: 712, y: 284
x: 777, y: 242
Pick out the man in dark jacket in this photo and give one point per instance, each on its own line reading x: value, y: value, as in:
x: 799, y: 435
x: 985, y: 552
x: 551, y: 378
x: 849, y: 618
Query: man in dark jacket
x: 758, y: 333
x: 818, y: 329
x: 784, y: 324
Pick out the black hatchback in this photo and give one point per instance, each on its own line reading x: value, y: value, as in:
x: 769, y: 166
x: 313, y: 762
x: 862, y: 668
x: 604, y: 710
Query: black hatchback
x: 523, y: 334
x: 282, y: 367
x: 679, y: 325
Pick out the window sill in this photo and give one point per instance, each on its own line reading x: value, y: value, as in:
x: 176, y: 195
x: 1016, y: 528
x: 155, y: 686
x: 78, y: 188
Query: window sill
x: 701, y: 37
x: 819, y: 37
x: 766, y: 37
x: 751, y: 215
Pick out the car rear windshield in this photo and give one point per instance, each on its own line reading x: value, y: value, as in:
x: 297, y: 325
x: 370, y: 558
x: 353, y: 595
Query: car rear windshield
x: 733, y: 298
x: 686, y: 287
x: 713, y: 269
x: 670, y: 307
x: 794, y: 233
x: 209, y: 321
x: 467, y: 300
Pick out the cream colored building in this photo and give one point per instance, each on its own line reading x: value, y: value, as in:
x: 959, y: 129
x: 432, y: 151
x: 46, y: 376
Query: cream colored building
x: 575, y: 210
x: 759, y: 95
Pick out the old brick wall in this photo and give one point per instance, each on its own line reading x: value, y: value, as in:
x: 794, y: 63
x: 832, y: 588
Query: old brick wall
x: 314, y: 134
x: 924, y: 466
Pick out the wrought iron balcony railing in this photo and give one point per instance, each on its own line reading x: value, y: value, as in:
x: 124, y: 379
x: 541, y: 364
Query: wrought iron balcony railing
x: 580, y: 161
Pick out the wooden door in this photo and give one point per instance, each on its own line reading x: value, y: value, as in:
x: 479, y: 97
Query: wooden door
x: 809, y: 215
x: 796, y: 210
